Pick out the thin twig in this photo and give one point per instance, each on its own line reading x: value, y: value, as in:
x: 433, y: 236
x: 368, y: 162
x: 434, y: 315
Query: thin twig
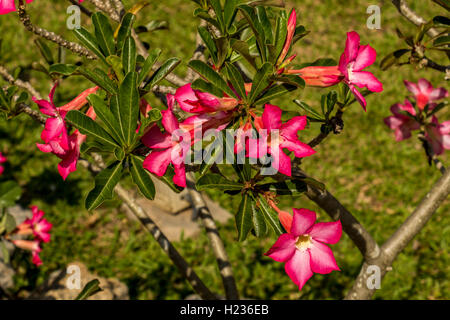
x: 216, y: 242
x: 20, y: 83
x: 72, y: 46
x: 83, y: 9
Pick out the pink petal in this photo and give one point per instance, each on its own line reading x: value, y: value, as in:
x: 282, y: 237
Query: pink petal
x: 157, y: 161
x: 425, y: 86
x: 300, y: 149
x: 437, y: 94
x: 352, y: 46
x: 53, y: 128
x: 303, y: 221
x: 292, y: 21
x: 271, y: 117
x: 328, y: 232
x: 366, y: 57
x: 180, y: 175
x: 45, y: 107
x: 290, y: 128
x: 359, y: 97
x: 280, y: 161
x: 283, y: 249
x: 412, y: 87
x: 169, y: 121
x: 155, y: 139
x: 298, y: 268
x: 444, y: 127
x: 366, y: 79
x: 322, y: 258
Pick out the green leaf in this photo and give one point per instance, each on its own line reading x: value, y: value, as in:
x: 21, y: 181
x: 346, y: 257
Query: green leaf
x: 168, y: 180
x: 280, y: 36
x: 258, y: 30
x: 212, y: 153
x: 236, y: 80
x: 275, y: 92
x: 244, y: 221
x: 91, y: 288
x: 260, y: 81
x: 89, y: 127
x: 7, y: 223
x: 219, y: 14
x: 89, y: 41
x: 105, y: 182
x: 229, y: 12
x: 270, y: 216
x: 243, y: 49
x: 104, y: 34
x: 292, y: 79
x: 128, y: 107
x: 106, y: 115
x: 5, y: 253
x: 44, y: 50
x: 166, y: 68
x: 9, y: 193
x: 216, y: 181
x: 141, y: 178
x: 259, y: 224
x: 100, y: 78
x: 212, y: 76
x: 148, y: 64
x: 289, y: 187
x: 265, y: 24
x: 61, y: 68
x: 116, y: 64
x: 125, y: 28
x: 442, y: 41
x: 129, y: 55
x: 308, y: 109
x: 202, y: 85
x: 153, y: 116
x: 393, y: 59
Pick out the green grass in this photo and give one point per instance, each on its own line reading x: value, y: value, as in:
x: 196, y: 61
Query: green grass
x: 378, y: 180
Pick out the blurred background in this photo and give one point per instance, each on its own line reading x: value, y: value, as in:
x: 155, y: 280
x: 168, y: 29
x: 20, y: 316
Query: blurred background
x: 379, y: 180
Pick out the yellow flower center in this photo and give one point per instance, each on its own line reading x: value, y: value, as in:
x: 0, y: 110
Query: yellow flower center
x: 303, y: 242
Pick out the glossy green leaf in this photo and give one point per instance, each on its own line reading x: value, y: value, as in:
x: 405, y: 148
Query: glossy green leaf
x: 236, y: 80
x: 128, y: 107
x: 202, y: 85
x: 89, y: 127
x: 125, y: 28
x: 105, y: 181
x: 104, y: 34
x: 106, y: 115
x: 216, y: 181
x: 212, y: 76
x: 275, y: 92
x: 166, y: 68
x: 260, y: 81
x: 148, y: 64
x: 100, y: 78
x: 129, y: 55
x: 244, y: 221
x: 44, y: 50
x: 142, y: 178
x: 89, y: 41
x: 270, y: 216
x: 61, y: 68
x: 91, y: 288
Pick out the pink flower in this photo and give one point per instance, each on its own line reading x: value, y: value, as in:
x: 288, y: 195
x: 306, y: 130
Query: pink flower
x: 38, y: 224
x: 277, y: 136
x: 318, y: 76
x: 33, y: 246
x: 438, y: 135
x: 292, y: 22
x: 424, y: 93
x: 55, y: 136
x: 354, y: 59
x: 195, y: 101
x: 303, y: 248
x: 7, y: 6
x: 55, y: 127
x: 3, y: 159
x: 401, y: 122
x: 169, y: 148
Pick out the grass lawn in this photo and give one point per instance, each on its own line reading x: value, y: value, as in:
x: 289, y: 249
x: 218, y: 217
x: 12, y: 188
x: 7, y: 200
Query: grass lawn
x: 379, y: 180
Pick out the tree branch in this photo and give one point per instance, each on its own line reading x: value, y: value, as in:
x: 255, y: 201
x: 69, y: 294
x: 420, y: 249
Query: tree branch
x: 413, y: 17
x: 72, y: 46
x: 216, y: 242
x: 400, y: 239
x: 21, y: 84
